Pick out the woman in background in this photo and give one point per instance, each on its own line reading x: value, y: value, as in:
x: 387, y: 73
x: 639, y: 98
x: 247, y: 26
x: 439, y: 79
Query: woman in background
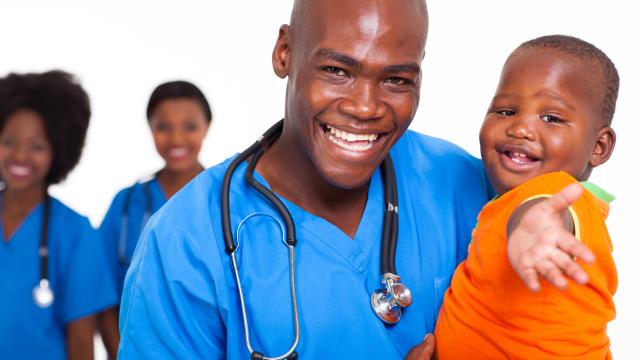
x: 51, y: 260
x: 179, y: 116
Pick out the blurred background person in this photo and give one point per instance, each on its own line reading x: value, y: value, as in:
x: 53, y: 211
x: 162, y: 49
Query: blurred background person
x: 179, y: 117
x: 51, y: 260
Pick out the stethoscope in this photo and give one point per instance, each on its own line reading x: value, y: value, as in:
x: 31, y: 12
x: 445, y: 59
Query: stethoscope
x: 387, y: 303
x: 42, y: 293
x: 124, y: 219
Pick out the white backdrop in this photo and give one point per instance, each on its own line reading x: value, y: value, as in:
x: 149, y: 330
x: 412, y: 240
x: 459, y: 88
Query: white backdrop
x: 121, y: 50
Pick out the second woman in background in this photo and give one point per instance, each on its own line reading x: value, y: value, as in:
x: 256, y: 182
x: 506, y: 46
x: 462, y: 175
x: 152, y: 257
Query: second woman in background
x: 179, y: 116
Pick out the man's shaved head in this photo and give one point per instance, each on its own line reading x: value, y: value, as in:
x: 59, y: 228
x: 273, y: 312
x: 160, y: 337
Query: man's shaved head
x: 304, y: 10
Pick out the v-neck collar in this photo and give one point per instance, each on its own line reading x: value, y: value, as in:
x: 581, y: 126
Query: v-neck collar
x: 8, y: 239
x: 357, y: 250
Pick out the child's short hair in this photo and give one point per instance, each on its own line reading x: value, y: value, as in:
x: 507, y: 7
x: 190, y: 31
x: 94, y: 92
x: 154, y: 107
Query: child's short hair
x: 178, y: 90
x: 585, y: 51
x: 63, y: 106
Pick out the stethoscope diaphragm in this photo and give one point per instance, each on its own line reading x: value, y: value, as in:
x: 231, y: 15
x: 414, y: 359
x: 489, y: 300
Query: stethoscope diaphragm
x: 42, y: 294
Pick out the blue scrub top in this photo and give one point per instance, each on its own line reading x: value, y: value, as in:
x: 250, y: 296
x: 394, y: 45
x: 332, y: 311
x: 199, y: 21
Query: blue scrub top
x: 180, y: 299
x: 76, y: 276
x: 135, y: 200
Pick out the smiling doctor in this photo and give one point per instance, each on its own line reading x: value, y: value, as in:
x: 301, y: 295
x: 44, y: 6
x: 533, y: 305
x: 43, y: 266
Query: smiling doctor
x: 212, y: 278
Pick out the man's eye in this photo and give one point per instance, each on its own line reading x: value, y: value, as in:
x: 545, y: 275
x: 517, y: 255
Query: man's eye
x: 551, y: 119
x: 399, y: 81
x: 505, y: 112
x: 334, y: 71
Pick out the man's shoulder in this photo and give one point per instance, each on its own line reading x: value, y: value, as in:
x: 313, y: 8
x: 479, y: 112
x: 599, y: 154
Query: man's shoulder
x: 424, y: 152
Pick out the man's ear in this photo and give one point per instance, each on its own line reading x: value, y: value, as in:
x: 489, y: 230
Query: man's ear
x: 603, y: 148
x: 282, y: 52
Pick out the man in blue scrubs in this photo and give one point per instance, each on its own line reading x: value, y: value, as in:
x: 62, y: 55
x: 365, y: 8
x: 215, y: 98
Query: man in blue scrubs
x: 353, y: 70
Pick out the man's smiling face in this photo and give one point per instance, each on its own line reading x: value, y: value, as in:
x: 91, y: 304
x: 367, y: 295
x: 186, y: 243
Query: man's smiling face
x: 354, y: 83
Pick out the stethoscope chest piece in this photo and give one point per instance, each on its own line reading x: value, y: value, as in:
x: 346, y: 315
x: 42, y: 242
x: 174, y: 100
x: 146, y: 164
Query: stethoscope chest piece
x: 387, y: 303
x: 42, y: 294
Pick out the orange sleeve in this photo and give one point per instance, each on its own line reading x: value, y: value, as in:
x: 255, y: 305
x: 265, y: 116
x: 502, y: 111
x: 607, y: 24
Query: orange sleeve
x: 488, y: 313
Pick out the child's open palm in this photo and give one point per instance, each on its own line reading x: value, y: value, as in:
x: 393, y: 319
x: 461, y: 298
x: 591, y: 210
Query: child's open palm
x: 540, y: 243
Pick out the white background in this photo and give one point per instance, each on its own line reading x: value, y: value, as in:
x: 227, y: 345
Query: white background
x: 121, y: 50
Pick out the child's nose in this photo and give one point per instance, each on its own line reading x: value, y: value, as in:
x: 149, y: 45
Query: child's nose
x: 521, y: 129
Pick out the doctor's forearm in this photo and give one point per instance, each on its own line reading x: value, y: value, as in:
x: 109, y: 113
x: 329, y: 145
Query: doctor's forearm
x: 79, y: 338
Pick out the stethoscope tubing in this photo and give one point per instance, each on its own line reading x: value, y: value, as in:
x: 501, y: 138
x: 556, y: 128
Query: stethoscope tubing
x: 383, y: 300
x: 124, y: 219
x: 292, y: 282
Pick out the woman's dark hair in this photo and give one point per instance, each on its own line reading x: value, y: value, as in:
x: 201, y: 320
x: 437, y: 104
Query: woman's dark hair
x: 62, y: 104
x: 176, y: 90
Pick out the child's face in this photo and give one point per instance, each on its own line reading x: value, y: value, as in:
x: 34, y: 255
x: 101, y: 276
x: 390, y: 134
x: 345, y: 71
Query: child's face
x: 545, y: 117
x: 25, y: 151
x: 179, y: 127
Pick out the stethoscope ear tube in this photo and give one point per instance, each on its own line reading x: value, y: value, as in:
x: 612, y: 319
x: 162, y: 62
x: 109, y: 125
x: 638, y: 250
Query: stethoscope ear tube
x: 266, y: 139
x: 388, y: 302
x: 273, y: 199
x: 390, y: 224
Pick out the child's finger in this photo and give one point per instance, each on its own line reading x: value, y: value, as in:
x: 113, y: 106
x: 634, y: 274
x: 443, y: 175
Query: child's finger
x: 573, y: 247
x: 566, y: 264
x: 551, y: 273
x: 565, y: 197
x: 530, y: 279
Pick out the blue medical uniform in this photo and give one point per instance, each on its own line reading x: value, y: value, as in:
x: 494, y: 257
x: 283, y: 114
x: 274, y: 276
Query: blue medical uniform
x: 76, y: 276
x: 135, y: 199
x: 180, y: 299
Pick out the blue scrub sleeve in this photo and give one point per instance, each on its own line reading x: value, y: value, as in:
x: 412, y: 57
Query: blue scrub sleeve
x: 110, y: 237
x: 87, y: 287
x: 167, y: 289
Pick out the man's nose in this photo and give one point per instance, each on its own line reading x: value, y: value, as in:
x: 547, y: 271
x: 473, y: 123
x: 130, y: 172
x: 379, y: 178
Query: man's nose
x: 363, y: 102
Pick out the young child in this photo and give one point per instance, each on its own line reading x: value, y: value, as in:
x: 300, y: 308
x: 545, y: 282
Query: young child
x: 547, y: 127
x: 52, y: 277
x: 179, y: 116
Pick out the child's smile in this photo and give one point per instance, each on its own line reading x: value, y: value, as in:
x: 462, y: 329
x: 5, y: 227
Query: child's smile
x: 545, y: 117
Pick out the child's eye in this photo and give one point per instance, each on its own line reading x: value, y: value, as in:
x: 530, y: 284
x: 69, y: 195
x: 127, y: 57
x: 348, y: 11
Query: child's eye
x: 334, y: 71
x: 505, y: 112
x: 551, y: 119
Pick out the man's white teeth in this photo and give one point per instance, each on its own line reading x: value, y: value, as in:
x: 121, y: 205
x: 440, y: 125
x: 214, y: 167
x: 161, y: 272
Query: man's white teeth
x: 352, y: 147
x: 518, y: 154
x: 20, y: 170
x: 347, y: 136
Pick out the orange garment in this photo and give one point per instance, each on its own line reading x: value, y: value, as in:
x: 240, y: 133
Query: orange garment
x: 488, y: 313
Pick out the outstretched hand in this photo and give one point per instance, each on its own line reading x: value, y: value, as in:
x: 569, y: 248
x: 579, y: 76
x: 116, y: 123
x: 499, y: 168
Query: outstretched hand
x: 424, y: 350
x: 540, y: 244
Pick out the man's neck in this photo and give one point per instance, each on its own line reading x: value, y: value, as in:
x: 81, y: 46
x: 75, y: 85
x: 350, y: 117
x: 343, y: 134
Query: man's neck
x: 291, y: 174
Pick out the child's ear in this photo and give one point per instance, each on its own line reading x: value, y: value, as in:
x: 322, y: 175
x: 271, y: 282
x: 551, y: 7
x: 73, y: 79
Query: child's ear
x: 605, y: 143
x: 282, y: 52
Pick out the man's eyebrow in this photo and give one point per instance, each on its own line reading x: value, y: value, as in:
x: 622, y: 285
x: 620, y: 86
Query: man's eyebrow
x: 402, y: 68
x: 339, y: 57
